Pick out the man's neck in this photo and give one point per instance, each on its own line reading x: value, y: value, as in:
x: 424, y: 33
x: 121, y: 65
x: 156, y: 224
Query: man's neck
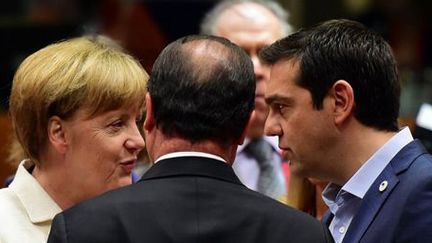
x: 358, y: 146
x: 175, y: 144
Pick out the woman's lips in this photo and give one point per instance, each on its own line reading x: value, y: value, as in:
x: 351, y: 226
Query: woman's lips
x: 128, y: 166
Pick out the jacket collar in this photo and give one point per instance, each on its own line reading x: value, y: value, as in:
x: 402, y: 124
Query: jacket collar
x: 375, y: 197
x: 192, y: 166
x: 40, y: 207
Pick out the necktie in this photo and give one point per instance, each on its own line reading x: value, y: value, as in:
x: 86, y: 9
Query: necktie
x: 271, y: 180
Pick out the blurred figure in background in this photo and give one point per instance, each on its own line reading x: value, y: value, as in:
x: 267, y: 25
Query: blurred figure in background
x: 305, y: 195
x: 252, y: 25
x: 74, y: 107
x: 16, y: 154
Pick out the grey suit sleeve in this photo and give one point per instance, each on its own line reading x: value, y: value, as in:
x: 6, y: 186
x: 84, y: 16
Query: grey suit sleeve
x: 58, y: 230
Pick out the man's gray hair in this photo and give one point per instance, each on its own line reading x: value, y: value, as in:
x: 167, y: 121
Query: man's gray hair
x: 208, y: 25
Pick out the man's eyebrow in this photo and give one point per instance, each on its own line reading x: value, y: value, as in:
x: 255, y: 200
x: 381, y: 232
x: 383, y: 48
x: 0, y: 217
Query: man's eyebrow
x: 273, y: 98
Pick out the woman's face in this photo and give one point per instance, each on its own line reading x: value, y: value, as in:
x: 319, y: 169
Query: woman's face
x: 102, y: 150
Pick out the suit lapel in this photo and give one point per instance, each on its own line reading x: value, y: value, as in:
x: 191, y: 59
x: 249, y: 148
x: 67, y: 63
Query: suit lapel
x: 381, y: 189
x: 371, y: 203
x: 327, y: 218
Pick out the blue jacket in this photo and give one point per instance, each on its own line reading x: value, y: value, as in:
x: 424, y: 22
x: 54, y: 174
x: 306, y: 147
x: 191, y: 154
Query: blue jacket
x: 402, y: 212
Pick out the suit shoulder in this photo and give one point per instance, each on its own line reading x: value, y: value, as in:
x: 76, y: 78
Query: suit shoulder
x: 283, y: 215
x: 421, y: 167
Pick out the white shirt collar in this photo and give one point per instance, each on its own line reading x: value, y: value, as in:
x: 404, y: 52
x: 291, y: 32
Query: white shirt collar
x: 39, y: 206
x: 189, y: 154
x: 363, y: 179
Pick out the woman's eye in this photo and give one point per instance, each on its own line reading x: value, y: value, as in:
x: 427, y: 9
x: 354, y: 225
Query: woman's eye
x: 116, y: 125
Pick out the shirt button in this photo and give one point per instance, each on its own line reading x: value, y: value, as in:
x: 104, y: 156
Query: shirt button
x: 342, y: 230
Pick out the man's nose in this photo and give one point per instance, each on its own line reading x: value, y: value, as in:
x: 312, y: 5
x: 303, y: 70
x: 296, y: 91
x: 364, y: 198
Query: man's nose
x: 271, y: 127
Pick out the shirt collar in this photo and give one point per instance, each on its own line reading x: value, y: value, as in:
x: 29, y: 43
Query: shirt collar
x: 39, y: 206
x: 363, y: 179
x: 329, y: 195
x: 189, y: 154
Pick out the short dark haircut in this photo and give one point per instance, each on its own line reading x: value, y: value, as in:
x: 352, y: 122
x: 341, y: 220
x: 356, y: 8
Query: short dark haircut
x: 345, y: 49
x: 205, y: 96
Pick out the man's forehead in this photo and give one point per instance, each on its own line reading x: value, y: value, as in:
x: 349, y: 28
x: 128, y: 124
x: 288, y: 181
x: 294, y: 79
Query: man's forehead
x: 285, y: 72
x: 250, y: 11
x: 248, y: 17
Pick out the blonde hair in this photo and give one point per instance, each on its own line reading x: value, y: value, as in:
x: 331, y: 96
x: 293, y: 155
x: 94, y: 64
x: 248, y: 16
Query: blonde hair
x: 66, y: 76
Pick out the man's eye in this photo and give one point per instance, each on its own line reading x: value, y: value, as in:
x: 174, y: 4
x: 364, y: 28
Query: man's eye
x: 278, y: 107
x: 281, y: 108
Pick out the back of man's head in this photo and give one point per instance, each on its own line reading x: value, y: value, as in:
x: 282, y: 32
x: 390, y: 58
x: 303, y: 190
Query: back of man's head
x: 202, y: 88
x: 252, y: 25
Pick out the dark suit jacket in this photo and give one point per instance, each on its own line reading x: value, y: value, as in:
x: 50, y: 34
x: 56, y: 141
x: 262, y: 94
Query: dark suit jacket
x: 187, y: 199
x: 403, y: 211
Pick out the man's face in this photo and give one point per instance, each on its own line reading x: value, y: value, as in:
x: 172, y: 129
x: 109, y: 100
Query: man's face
x: 306, y: 135
x: 252, y: 27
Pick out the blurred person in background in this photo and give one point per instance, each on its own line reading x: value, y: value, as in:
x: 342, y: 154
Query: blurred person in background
x: 252, y: 25
x: 305, y: 195
x: 74, y: 107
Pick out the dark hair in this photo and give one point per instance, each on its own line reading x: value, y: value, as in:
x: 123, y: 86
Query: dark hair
x: 345, y: 49
x: 202, y: 87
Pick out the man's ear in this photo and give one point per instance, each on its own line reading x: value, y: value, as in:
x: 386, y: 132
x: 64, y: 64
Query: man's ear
x: 149, y: 122
x: 57, y: 135
x: 249, y: 123
x: 343, y: 96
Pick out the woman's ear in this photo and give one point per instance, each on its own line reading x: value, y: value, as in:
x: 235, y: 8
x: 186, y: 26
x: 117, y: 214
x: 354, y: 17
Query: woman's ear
x: 149, y: 122
x: 343, y: 96
x: 56, y: 134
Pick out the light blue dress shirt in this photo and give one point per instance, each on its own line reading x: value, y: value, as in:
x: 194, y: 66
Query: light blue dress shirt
x: 247, y: 168
x: 345, y: 201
